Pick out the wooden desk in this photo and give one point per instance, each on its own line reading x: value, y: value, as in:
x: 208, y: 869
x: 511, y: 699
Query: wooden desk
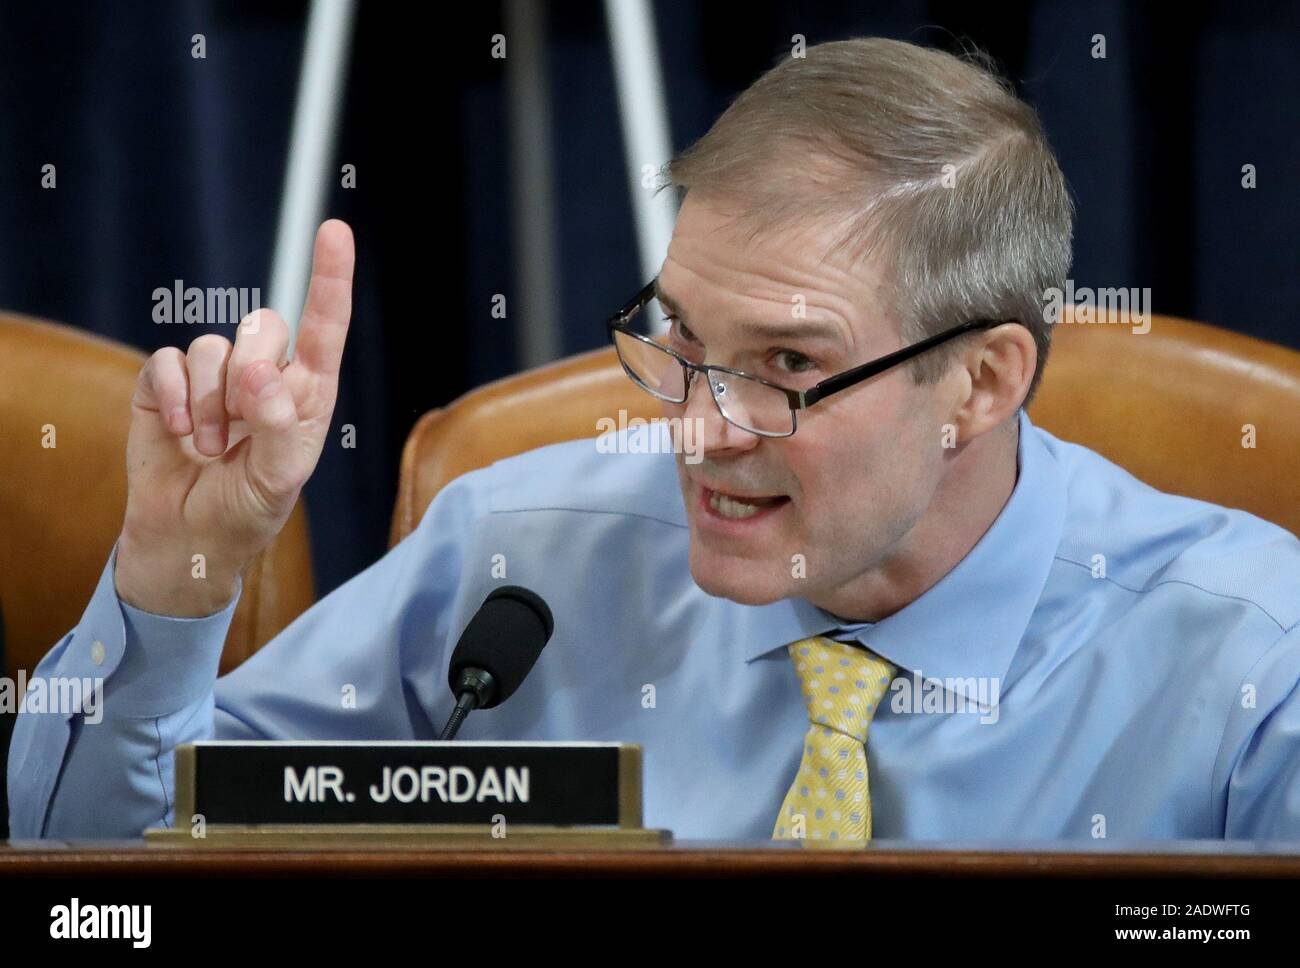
x: 894, y: 859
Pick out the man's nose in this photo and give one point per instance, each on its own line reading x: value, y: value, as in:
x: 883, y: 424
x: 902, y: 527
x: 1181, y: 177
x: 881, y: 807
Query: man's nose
x: 714, y: 432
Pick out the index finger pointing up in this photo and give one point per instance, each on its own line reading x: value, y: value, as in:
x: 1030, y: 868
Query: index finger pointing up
x: 324, y: 325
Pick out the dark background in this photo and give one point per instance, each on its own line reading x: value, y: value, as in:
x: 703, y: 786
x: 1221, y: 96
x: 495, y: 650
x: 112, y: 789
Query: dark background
x: 170, y: 167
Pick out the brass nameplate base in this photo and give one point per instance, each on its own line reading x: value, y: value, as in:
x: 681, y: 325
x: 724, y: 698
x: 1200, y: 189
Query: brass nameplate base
x: 409, y: 837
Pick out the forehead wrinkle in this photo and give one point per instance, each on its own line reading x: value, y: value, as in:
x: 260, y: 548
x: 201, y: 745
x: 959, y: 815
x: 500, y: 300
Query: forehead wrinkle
x: 824, y: 320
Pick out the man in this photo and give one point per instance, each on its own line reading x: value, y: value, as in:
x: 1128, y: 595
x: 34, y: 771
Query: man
x: 868, y: 610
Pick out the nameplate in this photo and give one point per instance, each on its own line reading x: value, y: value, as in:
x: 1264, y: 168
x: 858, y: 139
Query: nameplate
x: 400, y: 783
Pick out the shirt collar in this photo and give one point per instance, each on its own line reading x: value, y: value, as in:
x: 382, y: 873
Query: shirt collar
x: 969, y: 624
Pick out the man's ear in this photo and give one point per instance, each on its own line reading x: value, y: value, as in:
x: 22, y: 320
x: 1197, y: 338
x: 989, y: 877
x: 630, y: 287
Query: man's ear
x: 998, y: 369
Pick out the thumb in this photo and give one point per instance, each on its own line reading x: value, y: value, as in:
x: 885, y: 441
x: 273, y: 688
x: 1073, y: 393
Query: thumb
x: 276, y: 456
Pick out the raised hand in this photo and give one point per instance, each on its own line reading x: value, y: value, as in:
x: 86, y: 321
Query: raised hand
x: 222, y: 439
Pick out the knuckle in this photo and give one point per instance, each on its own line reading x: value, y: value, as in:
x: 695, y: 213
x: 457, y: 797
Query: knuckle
x: 273, y: 320
x: 208, y: 346
x: 164, y: 356
x: 263, y: 323
x: 163, y: 373
x: 250, y: 325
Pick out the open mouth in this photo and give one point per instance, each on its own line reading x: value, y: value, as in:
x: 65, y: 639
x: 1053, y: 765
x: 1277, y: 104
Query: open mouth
x: 736, y: 508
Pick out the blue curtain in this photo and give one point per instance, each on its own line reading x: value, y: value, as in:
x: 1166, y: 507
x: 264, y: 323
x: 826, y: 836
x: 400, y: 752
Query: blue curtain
x: 169, y: 167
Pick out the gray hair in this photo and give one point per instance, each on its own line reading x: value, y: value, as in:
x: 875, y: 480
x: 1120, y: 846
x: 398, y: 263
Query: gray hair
x: 931, y: 154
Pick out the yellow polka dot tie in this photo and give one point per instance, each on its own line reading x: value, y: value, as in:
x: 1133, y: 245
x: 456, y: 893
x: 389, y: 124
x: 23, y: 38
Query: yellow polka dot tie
x: 843, y: 685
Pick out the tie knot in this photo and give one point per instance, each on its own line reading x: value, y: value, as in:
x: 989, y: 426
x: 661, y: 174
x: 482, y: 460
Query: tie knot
x: 842, y: 684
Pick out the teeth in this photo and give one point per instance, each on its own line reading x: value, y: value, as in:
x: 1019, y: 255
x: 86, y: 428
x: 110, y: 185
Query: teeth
x: 730, y: 508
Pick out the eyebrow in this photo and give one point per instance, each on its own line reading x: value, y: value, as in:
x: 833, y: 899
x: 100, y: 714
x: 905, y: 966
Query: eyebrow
x: 803, y: 330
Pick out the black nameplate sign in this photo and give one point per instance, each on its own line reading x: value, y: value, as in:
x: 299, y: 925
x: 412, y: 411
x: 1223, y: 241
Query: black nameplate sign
x: 408, y: 783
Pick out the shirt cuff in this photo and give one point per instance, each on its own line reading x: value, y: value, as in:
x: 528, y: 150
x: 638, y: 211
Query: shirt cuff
x: 149, y: 664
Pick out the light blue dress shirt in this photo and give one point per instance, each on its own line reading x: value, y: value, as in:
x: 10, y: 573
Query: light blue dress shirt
x: 1109, y: 662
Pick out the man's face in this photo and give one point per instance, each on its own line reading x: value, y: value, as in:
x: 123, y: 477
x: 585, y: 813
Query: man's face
x: 809, y: 515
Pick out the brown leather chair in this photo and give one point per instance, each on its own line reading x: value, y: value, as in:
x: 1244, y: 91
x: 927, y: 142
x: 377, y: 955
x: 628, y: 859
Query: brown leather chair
x: 1168, y: 405
x: 61, y: 508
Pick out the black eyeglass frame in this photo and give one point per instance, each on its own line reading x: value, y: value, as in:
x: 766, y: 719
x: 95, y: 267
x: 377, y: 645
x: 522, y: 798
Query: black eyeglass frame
x: 798, y: 399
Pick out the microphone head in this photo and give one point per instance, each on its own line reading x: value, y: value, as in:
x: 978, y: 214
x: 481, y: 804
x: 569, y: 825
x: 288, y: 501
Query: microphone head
x: 504, y: 638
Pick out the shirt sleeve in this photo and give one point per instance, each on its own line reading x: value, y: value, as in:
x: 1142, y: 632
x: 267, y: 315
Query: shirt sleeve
x: 363, y: 662
x: 1261, y: 750
x: 99, y: 711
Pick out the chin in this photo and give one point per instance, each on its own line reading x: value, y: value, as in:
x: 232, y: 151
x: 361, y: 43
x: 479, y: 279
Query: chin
x: 737, y: 579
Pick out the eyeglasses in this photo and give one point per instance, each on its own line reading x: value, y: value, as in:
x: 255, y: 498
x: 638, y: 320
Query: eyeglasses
x: 753, y: 404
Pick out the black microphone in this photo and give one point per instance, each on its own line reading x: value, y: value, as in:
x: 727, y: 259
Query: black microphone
x: 496, y: 651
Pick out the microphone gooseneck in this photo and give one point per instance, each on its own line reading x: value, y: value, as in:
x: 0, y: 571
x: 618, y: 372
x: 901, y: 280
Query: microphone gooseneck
x: 474, y: 691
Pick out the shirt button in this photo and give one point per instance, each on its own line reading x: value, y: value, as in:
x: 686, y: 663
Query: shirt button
x: 97, y: 652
